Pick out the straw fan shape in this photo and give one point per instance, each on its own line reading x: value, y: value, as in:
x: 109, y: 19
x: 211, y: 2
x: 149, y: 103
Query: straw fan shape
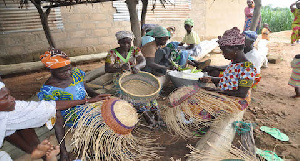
x: 198, y: 106
x: 104, y: 132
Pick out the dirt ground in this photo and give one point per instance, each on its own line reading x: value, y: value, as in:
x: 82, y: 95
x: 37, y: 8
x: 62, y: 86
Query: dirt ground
x: 271, y: 106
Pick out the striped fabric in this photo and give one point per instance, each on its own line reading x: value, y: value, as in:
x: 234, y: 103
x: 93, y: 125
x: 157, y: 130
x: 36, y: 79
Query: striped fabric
x: 295, y: 77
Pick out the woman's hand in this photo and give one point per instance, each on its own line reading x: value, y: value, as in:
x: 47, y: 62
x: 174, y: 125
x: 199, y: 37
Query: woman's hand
x: 99, y: 97
x: 126, y: 66
x: 172, y: 67
x: 212, y: 89
x: 205, y: 79
x: 135, y: 70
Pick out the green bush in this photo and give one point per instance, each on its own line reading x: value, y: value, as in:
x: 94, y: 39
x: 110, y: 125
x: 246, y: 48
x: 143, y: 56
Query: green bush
x: 279, y: 19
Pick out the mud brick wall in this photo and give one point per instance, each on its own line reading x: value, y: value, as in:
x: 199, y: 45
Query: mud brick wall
x: 90, y: 29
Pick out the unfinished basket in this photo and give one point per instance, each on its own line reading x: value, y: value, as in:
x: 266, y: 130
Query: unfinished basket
x: 139, y: 88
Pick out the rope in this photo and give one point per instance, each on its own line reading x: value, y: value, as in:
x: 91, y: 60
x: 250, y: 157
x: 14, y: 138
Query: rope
x: 243, y: 128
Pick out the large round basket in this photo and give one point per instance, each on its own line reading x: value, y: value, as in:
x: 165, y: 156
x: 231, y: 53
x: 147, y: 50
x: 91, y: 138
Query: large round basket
x: 119, y: 115
x: 139, y: 88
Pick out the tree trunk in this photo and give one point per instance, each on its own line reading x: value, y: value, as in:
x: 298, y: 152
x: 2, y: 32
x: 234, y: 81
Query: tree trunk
x: 44, y: 22
x: 134, y: 21
x: 256, y: 15
x: 143, y: 15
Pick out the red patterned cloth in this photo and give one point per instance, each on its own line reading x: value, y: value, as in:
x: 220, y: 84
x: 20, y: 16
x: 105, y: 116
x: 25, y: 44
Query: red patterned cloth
x: 232, y: 37
x: 239, y: 74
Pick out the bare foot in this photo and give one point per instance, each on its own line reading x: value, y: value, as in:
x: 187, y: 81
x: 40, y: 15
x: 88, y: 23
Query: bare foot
x: 52, y: 154
x: 41, y: 150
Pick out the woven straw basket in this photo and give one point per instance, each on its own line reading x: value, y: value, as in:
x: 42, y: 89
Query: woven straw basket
x: 110, y: 115
x: 147, y: 85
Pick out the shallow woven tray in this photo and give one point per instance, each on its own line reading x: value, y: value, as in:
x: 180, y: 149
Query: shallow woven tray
x: 150, y: 81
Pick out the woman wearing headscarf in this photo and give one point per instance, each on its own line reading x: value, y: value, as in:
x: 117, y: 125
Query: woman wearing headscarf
x: 65, y: 83
x: 157, y: 56
x: 249, y: 15
x: 239, y: 75
x: 125, y: 57
x: 116, y: 63
x: 231, y: 96
x: 18, y: 118
x: 146, y: 38
x: 295, y: 9
x: 192, y: 40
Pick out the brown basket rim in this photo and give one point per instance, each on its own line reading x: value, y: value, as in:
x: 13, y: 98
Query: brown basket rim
x: 150, y: 95
x: 110, y: 120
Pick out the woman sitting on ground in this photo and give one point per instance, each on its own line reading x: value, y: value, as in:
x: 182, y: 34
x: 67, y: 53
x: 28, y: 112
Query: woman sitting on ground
x: 193, y: 49
x: 134, y: 62
x: 65, y: 83
x: 124, y: 58
x: 18, y: 118
x: 239, y: 75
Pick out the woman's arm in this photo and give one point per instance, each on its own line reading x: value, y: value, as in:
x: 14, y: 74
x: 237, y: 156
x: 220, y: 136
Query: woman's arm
x: 191, y: 46
x: 215, y: 80
x: 150, y: 62
x: 141, y: 62
x: 110, y: 68
x: 66, y: 104
x: 241, y: 92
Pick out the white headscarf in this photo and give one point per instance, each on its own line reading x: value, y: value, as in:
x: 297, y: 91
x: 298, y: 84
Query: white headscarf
x: 124, y: 34
x: 2, y: 85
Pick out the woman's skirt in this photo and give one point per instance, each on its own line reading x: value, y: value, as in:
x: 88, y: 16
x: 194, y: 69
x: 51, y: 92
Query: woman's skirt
x: 296, y: 33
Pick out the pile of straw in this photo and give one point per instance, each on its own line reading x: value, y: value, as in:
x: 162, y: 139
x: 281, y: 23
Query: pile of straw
x: 93, y: 139
x: 192, y: 103
x: 233, y: 153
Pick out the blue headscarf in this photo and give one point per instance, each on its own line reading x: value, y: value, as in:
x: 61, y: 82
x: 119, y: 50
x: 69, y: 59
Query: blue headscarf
x: 251, y: 35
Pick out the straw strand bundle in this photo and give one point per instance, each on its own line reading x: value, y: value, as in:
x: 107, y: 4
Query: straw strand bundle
x: 220, y: 154
x: 93, y: 139
x: 197, y: 105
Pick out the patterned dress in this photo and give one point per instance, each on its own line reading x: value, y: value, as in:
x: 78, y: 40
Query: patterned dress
x: 237, y: 75
x: 296, y: 26
x: 114, y: 58
x: 75, y: 91
x: 295, y: 77
x: 117, y: 60
x: 248, y: 19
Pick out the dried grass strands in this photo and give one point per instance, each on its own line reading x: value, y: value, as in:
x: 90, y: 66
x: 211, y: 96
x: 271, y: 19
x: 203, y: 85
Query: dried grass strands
x: 94, y: 140
x: 192, y: 102
x: 173, y: 118
x: 232, y: 153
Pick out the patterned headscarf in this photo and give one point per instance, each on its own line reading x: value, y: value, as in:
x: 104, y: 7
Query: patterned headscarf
x: 231, y: 37
x: 55, y: 58
x: 251, y: 35
x: 2, y: 85
x: 124, y: 34
x: 159, y: 32
x: 149, y: 26
x: 189, y: 21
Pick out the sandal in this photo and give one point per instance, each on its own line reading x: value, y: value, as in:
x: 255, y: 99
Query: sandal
x: 275, y: 133
x: 268, y: 155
